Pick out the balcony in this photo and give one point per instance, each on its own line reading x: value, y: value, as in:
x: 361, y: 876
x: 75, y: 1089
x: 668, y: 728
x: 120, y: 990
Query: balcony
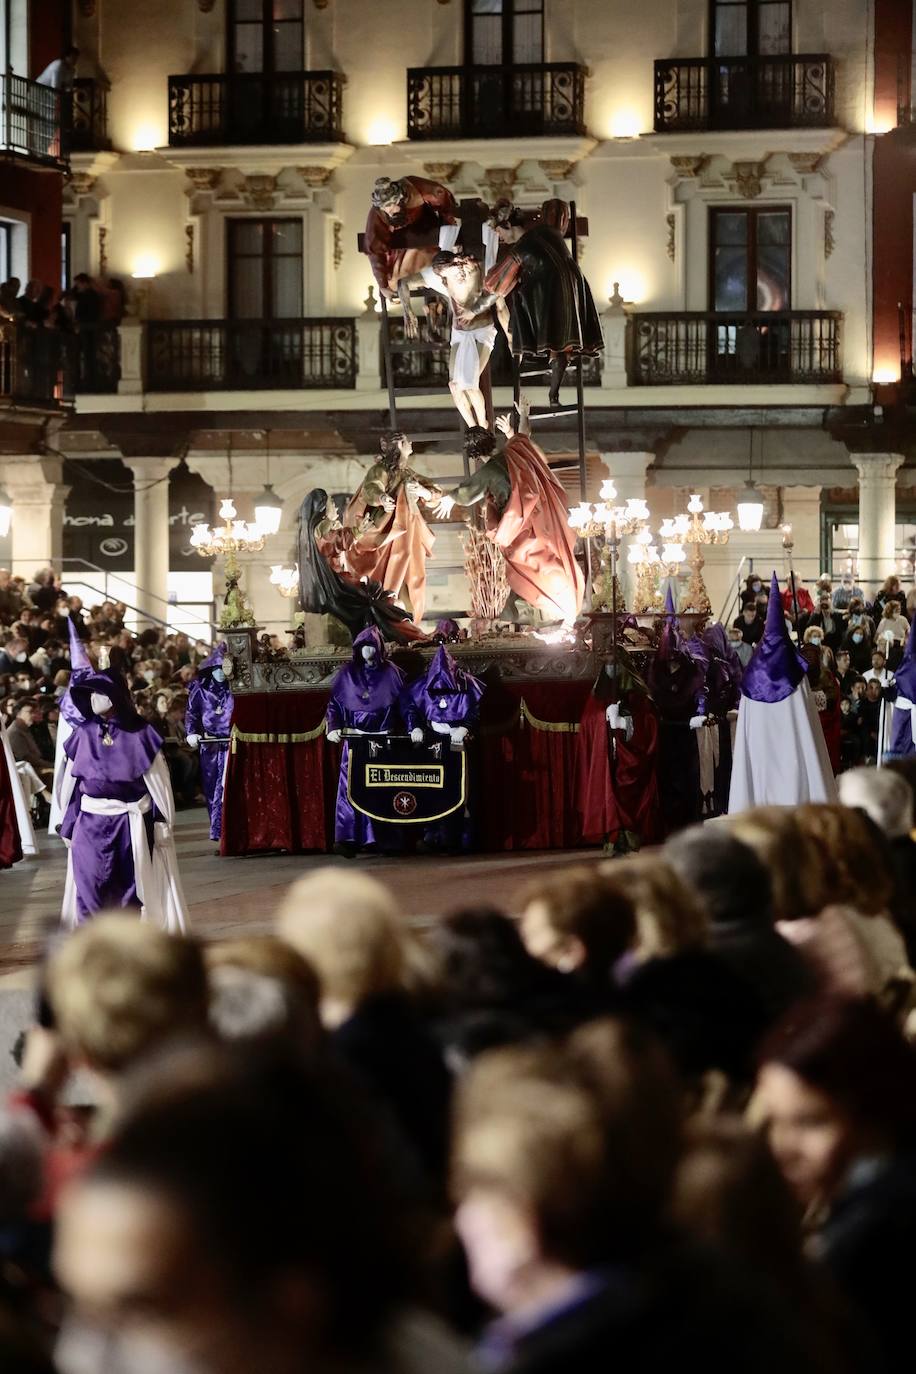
x: 251, y: 355
x: 244, y: 109
x: 96, y: 357
x: 541, y: 99
x: 36, y: 367
x: 732, y: 93
x: 30, y: 122
x: 424, y: 364
x: 714, y: 348
x: 88, y: 122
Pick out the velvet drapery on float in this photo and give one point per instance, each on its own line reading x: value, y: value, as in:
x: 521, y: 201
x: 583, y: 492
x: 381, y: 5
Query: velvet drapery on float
x: 282, y: 775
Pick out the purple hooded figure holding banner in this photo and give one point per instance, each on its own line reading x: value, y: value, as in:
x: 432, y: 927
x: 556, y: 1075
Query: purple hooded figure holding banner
x: 118, y: 811
x: 207, y: 719
x: 364, y: 696
x: 902, y: 734
x: 447, y: 701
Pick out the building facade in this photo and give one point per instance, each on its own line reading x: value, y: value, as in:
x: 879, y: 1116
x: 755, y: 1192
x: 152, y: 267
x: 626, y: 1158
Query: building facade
x: 727, y: 156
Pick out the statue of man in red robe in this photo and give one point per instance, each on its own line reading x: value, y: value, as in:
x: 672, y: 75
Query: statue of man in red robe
x: 616, y: 783
x: 526, y: 515
x: 404, y: 234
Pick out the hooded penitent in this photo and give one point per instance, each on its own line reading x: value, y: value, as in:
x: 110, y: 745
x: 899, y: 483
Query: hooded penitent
x: 903, y: 722
x: 722, y: 668
x: 80, y: 670
x: 780, y: 758
x: 209, y: 716
x: 116, y: 788
x: 445, y: 694
x: 364, y: 696
x: 675, y: 678
x: 616, y: 783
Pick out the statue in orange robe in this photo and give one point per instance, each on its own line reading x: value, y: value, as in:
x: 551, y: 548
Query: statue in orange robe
x: 391, y: 540
x: 526, y: 515
x: 616, y: 784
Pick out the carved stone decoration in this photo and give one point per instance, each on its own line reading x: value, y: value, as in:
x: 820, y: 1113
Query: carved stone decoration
x: 556, y: 169
x: 81, y: 183
x: 805, y: 163
x: 829, y: 240
x: 203, y: 178
x: 748, y: 179
x: 443, y: 172
x: 500, y: 181
x: 103, y: 251
x: 314, y: 176
x: 189, y: 247
x: 688, y: 166
x: 669, y: 246
x: 337, y: 252
x: 258, y: 191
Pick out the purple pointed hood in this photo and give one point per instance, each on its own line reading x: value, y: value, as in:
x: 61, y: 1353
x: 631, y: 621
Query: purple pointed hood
x: 777, y: 667
x: 670, y: 607
x: 213, y: 660
x: 112, y: 685
x: 80, y: 669
x: 905, y: 674
x: 675, y: 678
x: 79, y: 659
x: 444, y: 675
x: 371, y: 635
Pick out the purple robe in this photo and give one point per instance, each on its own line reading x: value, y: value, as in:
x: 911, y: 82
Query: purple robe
x: 209, y: 715
x: 364, y: 697
x: 676, y: 684
x: 449, y: 696
x: 901, y: 744
x: 100, y: 846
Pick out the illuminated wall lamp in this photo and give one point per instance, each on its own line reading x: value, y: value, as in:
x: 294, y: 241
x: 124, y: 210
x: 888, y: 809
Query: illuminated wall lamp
x: 6, y: 514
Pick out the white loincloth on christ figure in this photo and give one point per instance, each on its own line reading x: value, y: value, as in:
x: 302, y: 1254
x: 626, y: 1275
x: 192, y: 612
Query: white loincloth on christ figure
x: 780, y: 755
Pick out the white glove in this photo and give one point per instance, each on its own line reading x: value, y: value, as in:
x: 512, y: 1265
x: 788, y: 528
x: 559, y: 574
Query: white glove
x: 416, y: 735
x: 334, y: 737
x: 612, y: 715
x: 697, y: 722
x: 441, y: 728
x: 459, y: 734
x: 193, y: 740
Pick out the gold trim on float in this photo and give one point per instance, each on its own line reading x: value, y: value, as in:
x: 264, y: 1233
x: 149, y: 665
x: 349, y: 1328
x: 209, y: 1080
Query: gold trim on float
x: 565, y: 727
x: 296, y: 737
x: 420, y: 820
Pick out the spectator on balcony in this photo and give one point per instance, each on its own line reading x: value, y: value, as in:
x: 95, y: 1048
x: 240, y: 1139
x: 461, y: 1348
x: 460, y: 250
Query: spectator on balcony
x: 31, y: 305
x: 9, y: 296
x: 59, y: 74
x: 88, y: 316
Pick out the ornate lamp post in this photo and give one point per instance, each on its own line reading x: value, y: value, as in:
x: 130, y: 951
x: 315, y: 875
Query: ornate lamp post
x: 286, y: 580
x: 697, y: 527
x: 227, y: 542
x: 642, y: 555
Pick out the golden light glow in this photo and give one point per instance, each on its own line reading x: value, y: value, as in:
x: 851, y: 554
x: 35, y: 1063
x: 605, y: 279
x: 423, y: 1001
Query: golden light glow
x: 146, y: 265
x: 886, y: 375
x: 381, y: 132
x: 632, y: 285
x: 625, y: 124
x: 146, y: 138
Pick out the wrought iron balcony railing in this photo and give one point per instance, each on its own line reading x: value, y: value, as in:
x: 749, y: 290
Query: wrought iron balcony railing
x: 30, y: 121
x: 286, y: 107
x: 36, y: 366
x: 250, y: 355
x: 427, y: 366
x: 696, y: 348
x: 96, y: 353
x: 88, y: 116
x: 525, y: 101
x: 785, y: 92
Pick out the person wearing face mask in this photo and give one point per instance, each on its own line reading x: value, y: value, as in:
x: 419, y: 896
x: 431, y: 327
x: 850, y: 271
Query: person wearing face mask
x: 743, y: 650
x: 118, y: 811
x: 824, y: 619
x: 857, y: 643
x: 847, y: 591
x: 208, y: 717
x: 14, y: 658
x: 364, y: 697
x: 858, y: 615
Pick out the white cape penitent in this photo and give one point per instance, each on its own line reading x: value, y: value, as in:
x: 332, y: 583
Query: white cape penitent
x: 780, y: 755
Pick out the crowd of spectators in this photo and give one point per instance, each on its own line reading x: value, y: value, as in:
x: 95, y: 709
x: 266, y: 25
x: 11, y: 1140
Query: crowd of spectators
x: 664, y: 1107
x: 36, y: 622
x: 852, y: 646
x: 55, y: 327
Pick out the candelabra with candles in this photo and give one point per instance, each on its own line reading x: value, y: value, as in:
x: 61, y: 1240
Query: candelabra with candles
x: 643, y: 557
x: 697, y: 528
x: 286, y: 580
x: 227, y: 542
x: 608, y: 522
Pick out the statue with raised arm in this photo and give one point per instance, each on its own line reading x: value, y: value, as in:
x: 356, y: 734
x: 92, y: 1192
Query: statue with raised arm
x: 409, y: 220
x: 391, y: 539
x: 525, y: 514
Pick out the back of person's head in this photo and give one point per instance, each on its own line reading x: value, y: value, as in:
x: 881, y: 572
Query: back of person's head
x: 669, y: 918
x: 21, y: 1166
x: 269, y: 1174
x: 348, y: 927
x: 261, y: 986
x: 790, y: 855
x: 483, y: 959
x: 855, y: 867
x: 728, y: 877
x: 120, y: 988
x: 852, y: 1052
x: 881, y: 794
x: 575, y: 919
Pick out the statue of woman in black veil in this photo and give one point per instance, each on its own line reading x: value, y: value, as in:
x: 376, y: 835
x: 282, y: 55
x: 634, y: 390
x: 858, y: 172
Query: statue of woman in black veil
x: 326, y: 590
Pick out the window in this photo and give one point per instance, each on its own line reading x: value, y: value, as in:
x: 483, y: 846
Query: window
x: 751, y: 28
x: 265, y: 269
x: 750, y: 260
x: 65, y: 268
x: 6, y: 252
x: 266, y: 36
x: 504, y: 32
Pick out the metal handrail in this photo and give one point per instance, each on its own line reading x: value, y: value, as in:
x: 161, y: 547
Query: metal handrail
x: 60, y: 566
x: 734, y: 590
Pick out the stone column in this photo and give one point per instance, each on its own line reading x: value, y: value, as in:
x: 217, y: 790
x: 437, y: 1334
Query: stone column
x: 37, y: 495
x: 629, y: 473
x: 877, y: 514
x: 151, y: 534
